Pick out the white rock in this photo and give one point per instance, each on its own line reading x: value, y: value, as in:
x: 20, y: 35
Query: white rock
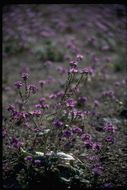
x: 40, y: 153
x: 65, y: 156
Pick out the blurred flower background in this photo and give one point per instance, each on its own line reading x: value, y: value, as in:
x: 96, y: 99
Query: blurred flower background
x: 43, y: 44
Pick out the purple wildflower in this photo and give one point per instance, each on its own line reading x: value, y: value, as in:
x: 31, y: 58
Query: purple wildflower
x: 28, y: 158
x: 109, y: 127
x: 96, y: 103
x: 59, y: 94
x: 92, y: 158
x: 37, y: 162
x: 58, y: 123
x: 96, y: 146
x: 87, y: 71
x: 71, y: 103
x: 77, y: 113
x: 79, y: 57
x: 42, y: 100
x: 67, y: 133
x: 44, y: 106
x: 77, y: 130
x: 42, y: 82
x: 109, y: 139
x: 16, y: 143
x: 109, y: 94
x: 25, y: 76
x: 97, y: 169
x: 73, y: 70
x: 86, y: 137
x: 38, y: 106
x: 36, y: 113
x: 23, y: 115
x: 82, y: 99
x: 73, y: 64
x: 16, y: 115
x: 18, y: 84
x: 33, y: 88
x: 88, y: 144
x: 52, y: 96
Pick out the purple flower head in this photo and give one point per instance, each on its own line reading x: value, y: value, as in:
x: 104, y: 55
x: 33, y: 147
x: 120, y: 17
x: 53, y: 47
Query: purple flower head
x: 73, y: 70
x: 67, y: 133
x: 33, y: 88
x: 88, y: 144
x: 38, y: 106
x: 82, y: 99
x: 18, y: 84
x: 52, y: 96
x: 37, y: 162
x: 58, y: 123
x: 71, y: 103
x: 25, y: 76
x: 15, y: 142
x: 109, y: 139
x: 77, y: 113
x: 23, y: 115
x: 109, y: 94
x: 87, y: 71
x: 42, y: 100
x: 109, y: 128
x: 79, y: 57
x: 92, y: 158
x: 86, y: 137
x: 96, y: 146
x: 42, y: 82
x: 73, y: 64
x: 19, y: 115
x: 28, y: 158
x: 59, y: 94
x: 97, y: 169
x: 36, y: 113
x: 16, y: 115
x: 96, y: 103
x: 44, y: 106
x: 77, y: 130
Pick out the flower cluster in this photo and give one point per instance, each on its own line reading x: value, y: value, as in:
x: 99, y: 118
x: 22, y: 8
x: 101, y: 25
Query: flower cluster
x: 33, y: 88
x: 70, y: 103
x: 18, y: 84
x: 109, y: 127
x: 57, y: 123
x: 25, y: 76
